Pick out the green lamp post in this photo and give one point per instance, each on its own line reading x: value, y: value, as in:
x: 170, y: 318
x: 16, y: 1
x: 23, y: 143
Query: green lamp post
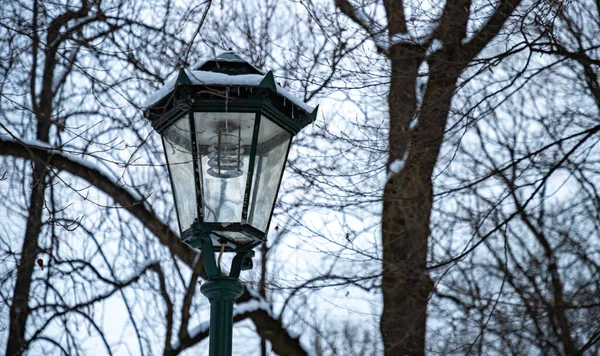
x: 226, y: 129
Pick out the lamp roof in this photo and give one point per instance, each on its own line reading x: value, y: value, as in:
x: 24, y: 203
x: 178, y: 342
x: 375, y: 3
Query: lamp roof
x: 226, y: 70
x: 231, y: 60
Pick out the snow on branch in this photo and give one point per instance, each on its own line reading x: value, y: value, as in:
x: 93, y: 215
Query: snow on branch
x: 76, y: 158
x: 125, y: 197
x: 256, y: 309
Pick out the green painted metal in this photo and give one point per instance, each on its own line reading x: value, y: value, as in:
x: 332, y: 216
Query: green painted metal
x: 291, y: 116
x: 228, y: 63
x: 190, y: 235
x: 268, y: 82
x: 251, y: 164
x: 262, y: 106
x: 314, y: 114
x: 222, y: 291
x: 202, y: 232
x: 241, y: 262
x: 183, y: 78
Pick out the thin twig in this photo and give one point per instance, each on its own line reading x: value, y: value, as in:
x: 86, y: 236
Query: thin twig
x: 187, y: 52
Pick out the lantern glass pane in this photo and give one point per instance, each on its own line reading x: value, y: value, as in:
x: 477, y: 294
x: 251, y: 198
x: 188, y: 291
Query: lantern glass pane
x: 271, y: 152
x: 178, y: 148
x: 223, y: 142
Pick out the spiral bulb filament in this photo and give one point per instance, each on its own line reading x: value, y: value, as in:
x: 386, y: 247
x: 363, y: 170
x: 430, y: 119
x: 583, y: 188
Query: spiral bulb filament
x: 224, y: 157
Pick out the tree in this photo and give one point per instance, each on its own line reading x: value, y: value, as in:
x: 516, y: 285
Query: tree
x: 454, y: 69
x: 534, y: 238
x: 447, y: 46
x: 70, y: 109
x: 55, y: 54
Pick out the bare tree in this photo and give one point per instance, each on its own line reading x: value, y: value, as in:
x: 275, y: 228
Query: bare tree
x: 428, y: 48
x: 74, y: 143
x: 527, y: 281
x: 457, y: 71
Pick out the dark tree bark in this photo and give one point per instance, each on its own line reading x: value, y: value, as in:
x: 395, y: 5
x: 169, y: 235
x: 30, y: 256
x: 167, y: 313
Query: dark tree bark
x: 70, y: 55
x: 19, y: 309
x: 416, y: 133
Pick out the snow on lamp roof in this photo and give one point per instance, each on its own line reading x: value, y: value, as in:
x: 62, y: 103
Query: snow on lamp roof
x: 232, y: 59
x: 208, y: 73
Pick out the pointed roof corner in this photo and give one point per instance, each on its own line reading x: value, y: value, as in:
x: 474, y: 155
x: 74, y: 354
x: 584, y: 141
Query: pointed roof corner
x: 314, y: 113
x: 183, y: 78
x: 268, y: 82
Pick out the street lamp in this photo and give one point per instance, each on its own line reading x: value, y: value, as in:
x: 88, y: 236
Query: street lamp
x: 226, y: 129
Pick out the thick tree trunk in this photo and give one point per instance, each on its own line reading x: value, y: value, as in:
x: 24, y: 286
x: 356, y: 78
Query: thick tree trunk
x: 408, y: 199
x: 405, y: 283
x: 408, y: 195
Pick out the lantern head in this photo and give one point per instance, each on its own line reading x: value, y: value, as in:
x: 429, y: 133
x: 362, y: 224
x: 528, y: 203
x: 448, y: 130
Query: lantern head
x: 226, y: 130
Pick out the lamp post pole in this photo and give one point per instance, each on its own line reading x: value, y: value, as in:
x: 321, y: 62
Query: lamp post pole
x: 221, y: 290
x: 222, y: 293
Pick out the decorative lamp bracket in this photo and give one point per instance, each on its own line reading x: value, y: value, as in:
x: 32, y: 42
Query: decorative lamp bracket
x: 241, y: 262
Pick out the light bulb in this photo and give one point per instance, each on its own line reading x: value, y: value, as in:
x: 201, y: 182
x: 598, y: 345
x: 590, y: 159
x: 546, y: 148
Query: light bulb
x: 224, y: 157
